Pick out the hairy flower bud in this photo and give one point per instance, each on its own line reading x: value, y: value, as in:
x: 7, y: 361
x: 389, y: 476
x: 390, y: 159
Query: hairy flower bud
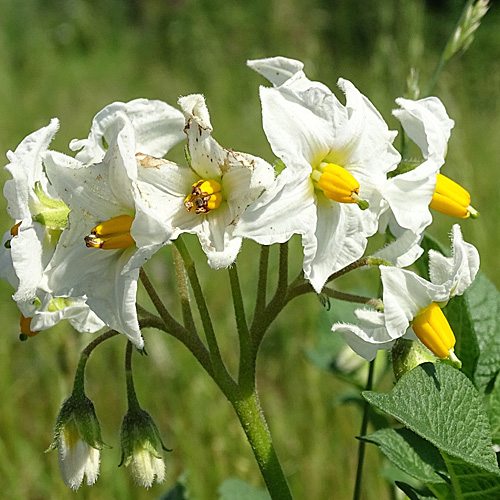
x: 140, y: 443
x: 77, y: 435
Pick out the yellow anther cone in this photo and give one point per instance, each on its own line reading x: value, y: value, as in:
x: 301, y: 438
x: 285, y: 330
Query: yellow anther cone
x: 112, y: 234
x: 434, y: 331
x: 338, y: 184
x: 452, y: 199
x: 205, y: 196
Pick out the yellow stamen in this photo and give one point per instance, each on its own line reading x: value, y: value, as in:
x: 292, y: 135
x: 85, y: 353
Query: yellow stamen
x: 25, y: 325
x: 338, y: 184
x: 112, y: 234
x: 452, y: 199
x: 205, y: 196
x: 14, y: 231
x: 432, y: 328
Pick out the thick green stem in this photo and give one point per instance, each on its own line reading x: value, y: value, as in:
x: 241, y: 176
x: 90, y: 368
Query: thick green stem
x: 246, y: 376
x: 255, y: 427
x: 362, y: 444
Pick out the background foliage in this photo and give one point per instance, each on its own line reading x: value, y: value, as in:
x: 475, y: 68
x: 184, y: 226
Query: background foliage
x: 69, y: 58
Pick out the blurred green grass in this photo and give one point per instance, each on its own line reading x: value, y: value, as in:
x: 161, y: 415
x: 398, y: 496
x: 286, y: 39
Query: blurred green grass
x: 69, y: 58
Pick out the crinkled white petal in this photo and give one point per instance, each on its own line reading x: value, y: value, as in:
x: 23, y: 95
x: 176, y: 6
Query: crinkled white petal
x: 26, y: 253
x: 7, y: 272
x: 402, y: 252
x: 208, y: 158
x: 341, y: 239
x: 286, y: 208
x: 458, y: 271
x: 78, y: 461
x: 285, y: 73
x: 405, y: 295
x: 427, y: 124
x: 158, y: 127
x: 242, y: 178
x: 363, y: 142
x: 96, y: 193
x: 409, y: 195
x: 78, y: 313
x: 368, y: 336
x: 26, y: 168
x: 294, y: 129
x: 98, y: 275
x: 277, y: 70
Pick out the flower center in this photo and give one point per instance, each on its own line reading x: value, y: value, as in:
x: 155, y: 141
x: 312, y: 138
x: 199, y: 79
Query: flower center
x: 338, y: 184
x: 112, y: 234
x: 452, y: 199
x: 205, y: 196
x: 432, y: 328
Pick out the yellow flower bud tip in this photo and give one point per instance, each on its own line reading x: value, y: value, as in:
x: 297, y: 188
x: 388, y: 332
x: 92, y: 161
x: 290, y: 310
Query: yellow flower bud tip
x: 25, y: 325
x: 111, y: 234
x: 451, y: 199
x: 338, y: 184
x: 205, y: 196
x: 432, y: 328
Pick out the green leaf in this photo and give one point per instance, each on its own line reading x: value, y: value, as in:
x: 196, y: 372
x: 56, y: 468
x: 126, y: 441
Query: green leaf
x: 233, y: 489
x: 467, y: 348
x: 440, y: 404
x: 411, y: 453
x: 483, y: 301
x: 493, y: 410
x: 468, y: 482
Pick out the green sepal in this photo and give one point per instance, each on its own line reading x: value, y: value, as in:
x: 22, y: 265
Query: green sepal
x: 79, y: 411
x: 139, y: 431
x: 54, y: 215
x: 407, y: 354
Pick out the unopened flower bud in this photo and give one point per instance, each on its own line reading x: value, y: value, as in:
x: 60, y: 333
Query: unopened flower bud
x: 77, y: 435
x: 141, y: 447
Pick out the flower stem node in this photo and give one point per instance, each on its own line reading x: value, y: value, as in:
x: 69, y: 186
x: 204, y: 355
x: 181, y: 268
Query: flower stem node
x: 452, y: 199
x: 205, y: 196
x: 112, y: 234
x: 338, y: 184
x: 434, y: 331
x: 140, y: 443
x: 77, y: 435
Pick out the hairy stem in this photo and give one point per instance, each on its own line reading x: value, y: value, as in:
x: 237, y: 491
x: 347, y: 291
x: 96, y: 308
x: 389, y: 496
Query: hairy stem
x: 182, y: 286
x: 260, y: 302
x: 255, y: 427
x: 220, y: 373
x: 190, y: 339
